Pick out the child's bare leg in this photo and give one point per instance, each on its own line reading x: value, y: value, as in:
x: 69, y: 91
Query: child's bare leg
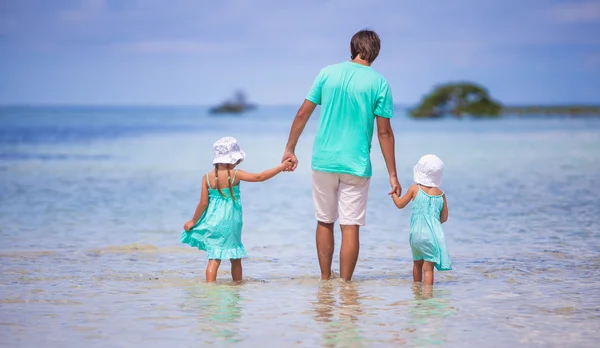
x: 427, y: 292
x: 428, y: 272
x: 236, y: 269
x: 418, y: 271
x: 211, y: 270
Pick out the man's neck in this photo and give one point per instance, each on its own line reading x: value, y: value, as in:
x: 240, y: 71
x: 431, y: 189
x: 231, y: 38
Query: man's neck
x: 357, y: 60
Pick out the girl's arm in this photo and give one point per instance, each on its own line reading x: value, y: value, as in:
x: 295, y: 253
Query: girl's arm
x: 266, y: 175
x: 201, y: 207
x: 444, y: 212
x: 408, y: 196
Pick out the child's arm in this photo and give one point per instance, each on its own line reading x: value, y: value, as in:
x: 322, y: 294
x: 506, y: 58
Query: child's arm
x: 200, y: 208
x: 266, y: 175
x: 444, y: 212
x: 408, y: 196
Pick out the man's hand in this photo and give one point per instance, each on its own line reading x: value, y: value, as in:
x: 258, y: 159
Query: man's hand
x: 286, y: 165
x: 290, y: 156
x: 396, y: 187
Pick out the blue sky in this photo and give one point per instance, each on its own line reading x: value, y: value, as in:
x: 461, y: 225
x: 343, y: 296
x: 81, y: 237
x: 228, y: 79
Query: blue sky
x: 199, y: 51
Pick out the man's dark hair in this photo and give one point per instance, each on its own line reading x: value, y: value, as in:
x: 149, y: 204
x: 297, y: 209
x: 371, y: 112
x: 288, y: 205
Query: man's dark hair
x: 365, y: 44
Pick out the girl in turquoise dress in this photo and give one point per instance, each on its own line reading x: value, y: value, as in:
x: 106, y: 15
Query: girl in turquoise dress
x: 429, y: 212
x: 216, y: 226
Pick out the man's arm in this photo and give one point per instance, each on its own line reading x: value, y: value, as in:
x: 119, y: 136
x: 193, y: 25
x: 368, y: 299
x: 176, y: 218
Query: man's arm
x: 302, y: 116
x: 387, y: 143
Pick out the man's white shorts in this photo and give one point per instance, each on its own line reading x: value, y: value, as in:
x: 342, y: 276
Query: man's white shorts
x: 340, y: 195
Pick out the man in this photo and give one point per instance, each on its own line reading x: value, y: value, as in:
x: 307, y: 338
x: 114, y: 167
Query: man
x: 352, y: 96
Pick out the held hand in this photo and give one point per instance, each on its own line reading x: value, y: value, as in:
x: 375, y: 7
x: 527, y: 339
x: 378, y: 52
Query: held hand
x: 289, y: 155
x: 188, y: 225
x: 286, y: 165
x: 396, y: 187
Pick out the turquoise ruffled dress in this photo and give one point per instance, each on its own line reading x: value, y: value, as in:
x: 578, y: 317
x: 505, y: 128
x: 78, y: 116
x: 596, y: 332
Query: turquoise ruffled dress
x: 427, y: 239
x: 219, y: 229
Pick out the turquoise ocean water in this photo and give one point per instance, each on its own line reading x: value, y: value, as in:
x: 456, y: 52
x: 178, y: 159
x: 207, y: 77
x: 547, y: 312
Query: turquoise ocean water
x: 92, y: 200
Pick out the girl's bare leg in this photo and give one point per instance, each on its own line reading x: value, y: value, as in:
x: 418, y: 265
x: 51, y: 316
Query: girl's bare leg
x: 211, y: 270
x: 428, y: 271
x: 236, y: 269
x: 418, y: 271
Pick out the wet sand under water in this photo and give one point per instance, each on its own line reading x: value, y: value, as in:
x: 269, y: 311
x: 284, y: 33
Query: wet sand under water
x: 157, y: 296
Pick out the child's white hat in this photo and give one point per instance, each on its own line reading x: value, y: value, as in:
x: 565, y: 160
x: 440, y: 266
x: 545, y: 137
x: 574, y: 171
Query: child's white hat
x: 428, y: 171
x: 227, y: 151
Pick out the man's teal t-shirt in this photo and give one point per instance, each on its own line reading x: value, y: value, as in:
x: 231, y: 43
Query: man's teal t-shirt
x: 351, y: 95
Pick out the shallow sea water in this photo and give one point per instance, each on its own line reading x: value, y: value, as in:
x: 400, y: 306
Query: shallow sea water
x: 92, y: 201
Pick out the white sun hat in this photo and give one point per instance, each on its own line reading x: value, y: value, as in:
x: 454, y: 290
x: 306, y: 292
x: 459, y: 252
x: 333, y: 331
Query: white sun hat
x: 428, y: 171
x: 227, y: 151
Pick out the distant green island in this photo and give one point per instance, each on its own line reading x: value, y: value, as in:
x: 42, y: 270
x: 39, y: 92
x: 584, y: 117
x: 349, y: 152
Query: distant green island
x: 467, y: 98
x: 560, y: 110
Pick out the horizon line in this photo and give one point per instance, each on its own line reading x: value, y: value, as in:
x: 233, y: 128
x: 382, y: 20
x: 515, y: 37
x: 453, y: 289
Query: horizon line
x: 174, y: 105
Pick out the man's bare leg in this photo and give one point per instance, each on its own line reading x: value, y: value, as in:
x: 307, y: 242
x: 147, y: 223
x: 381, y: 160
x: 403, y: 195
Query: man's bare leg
x: 325, y: 245
x: 349, y: 251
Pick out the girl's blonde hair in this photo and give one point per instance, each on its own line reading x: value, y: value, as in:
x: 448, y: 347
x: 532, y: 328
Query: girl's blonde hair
x: 228, y: 181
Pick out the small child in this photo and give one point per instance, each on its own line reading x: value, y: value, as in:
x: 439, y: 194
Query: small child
x: 429, y: 212
x: 217, y: 223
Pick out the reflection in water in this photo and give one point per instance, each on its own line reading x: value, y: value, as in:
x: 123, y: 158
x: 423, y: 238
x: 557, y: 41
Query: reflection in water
x: 422, y: 292
x: 428, y: 315
x: 218, y: 310
x: 338, y: 318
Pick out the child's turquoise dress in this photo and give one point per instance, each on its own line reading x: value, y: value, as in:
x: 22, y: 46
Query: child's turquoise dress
x: 219, y: 229
x: 426, y: 233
